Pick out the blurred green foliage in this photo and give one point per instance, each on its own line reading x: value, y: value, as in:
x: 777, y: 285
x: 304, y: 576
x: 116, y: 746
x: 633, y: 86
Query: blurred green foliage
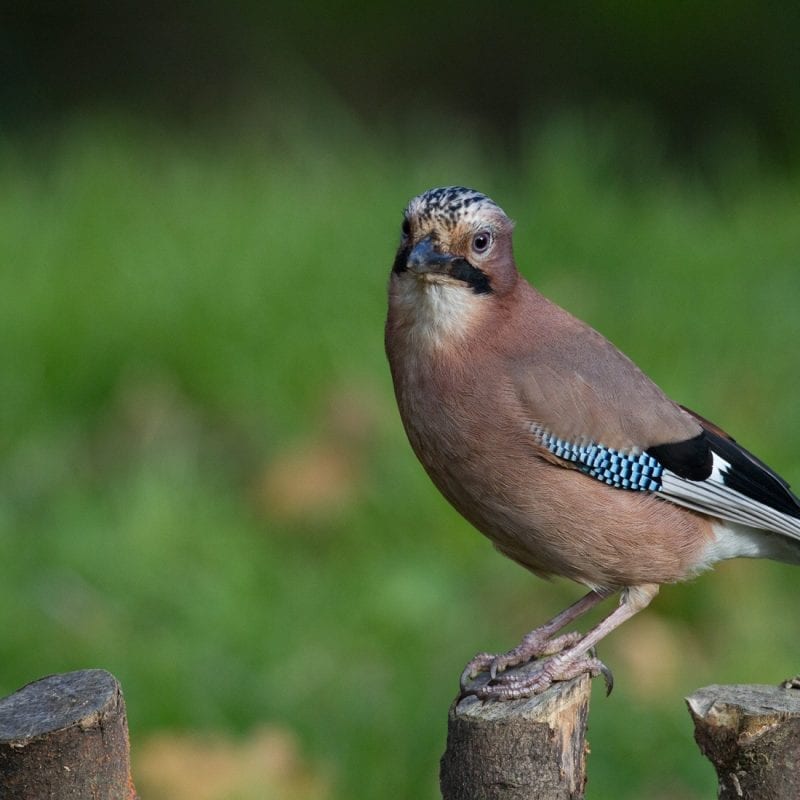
x: 206, y: 488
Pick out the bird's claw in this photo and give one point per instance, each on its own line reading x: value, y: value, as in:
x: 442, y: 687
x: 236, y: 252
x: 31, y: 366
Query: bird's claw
x: 608, y: 677
x: 538, y: 677
x: 480, y: 663
x: 533, y: 646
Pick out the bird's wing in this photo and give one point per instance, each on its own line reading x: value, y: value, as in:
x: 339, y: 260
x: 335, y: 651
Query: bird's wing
x: 740, y: 487
x: 578, y: 387
x: 589, y: 407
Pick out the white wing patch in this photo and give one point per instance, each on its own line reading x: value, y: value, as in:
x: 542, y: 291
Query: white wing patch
x: 712, y: 496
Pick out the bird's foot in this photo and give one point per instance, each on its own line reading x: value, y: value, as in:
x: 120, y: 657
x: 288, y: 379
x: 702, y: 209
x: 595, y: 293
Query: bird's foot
x: 533, y: 645
x: 538, y: 676
x: 790, y: 683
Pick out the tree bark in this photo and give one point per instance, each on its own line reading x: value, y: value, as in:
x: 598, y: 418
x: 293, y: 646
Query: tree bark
x: 751, y: 734
x: 65, y: 737
x: 532, y: 749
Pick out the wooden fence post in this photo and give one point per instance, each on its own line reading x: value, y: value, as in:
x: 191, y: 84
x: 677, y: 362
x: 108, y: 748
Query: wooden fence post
x: 66, y: 736
x: 751, y: 734
x: 532, y: 749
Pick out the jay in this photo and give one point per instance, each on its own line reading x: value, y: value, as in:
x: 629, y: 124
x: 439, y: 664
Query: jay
x: 554, y: 444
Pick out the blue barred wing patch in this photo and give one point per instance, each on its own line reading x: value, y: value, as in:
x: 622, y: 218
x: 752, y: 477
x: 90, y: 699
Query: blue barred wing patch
x: 636, y: 471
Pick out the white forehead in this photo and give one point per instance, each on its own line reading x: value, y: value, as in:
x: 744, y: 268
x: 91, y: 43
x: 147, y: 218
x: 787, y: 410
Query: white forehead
x: 451, y: 205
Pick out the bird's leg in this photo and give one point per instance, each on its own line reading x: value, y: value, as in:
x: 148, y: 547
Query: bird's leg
x: 537, y: 643
x: 573, y: 660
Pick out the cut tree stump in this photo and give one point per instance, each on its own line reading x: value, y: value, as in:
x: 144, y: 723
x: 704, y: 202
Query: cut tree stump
x: 66, y: 736
x: 751, y: 734
x: 531, y: 749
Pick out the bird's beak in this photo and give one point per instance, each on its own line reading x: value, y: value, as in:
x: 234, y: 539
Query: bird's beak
x: 424, y: 258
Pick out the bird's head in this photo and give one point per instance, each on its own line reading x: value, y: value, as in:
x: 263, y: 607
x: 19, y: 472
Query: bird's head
x: 459, y: 238
x: 453, y: 262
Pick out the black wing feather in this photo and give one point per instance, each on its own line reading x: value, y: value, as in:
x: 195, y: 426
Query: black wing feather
x: 751, y: 477
x: 689, y: 459
x: 693, y: 459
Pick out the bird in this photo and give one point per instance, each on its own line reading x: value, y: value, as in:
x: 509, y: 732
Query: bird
x: 555, y: 445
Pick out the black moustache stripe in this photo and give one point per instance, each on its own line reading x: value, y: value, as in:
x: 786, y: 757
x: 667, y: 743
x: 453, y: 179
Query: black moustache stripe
x: 401, y: 260
x: 477, y: 279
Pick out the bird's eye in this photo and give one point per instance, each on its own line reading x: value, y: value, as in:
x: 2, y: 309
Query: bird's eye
x: 481, y: 241
x: 406, y: 227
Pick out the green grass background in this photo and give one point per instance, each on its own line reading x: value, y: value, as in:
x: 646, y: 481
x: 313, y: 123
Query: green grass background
x: 188, y: 324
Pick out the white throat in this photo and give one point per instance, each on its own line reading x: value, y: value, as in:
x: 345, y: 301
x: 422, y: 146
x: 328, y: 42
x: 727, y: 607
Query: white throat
x: 437, y: 312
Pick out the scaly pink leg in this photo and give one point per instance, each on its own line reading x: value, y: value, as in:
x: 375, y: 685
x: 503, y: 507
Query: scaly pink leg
x: 573, y: 660
x: 537, y: 643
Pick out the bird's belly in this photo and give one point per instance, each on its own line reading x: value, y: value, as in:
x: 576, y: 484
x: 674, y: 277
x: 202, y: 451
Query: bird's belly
x: 557, y: 521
